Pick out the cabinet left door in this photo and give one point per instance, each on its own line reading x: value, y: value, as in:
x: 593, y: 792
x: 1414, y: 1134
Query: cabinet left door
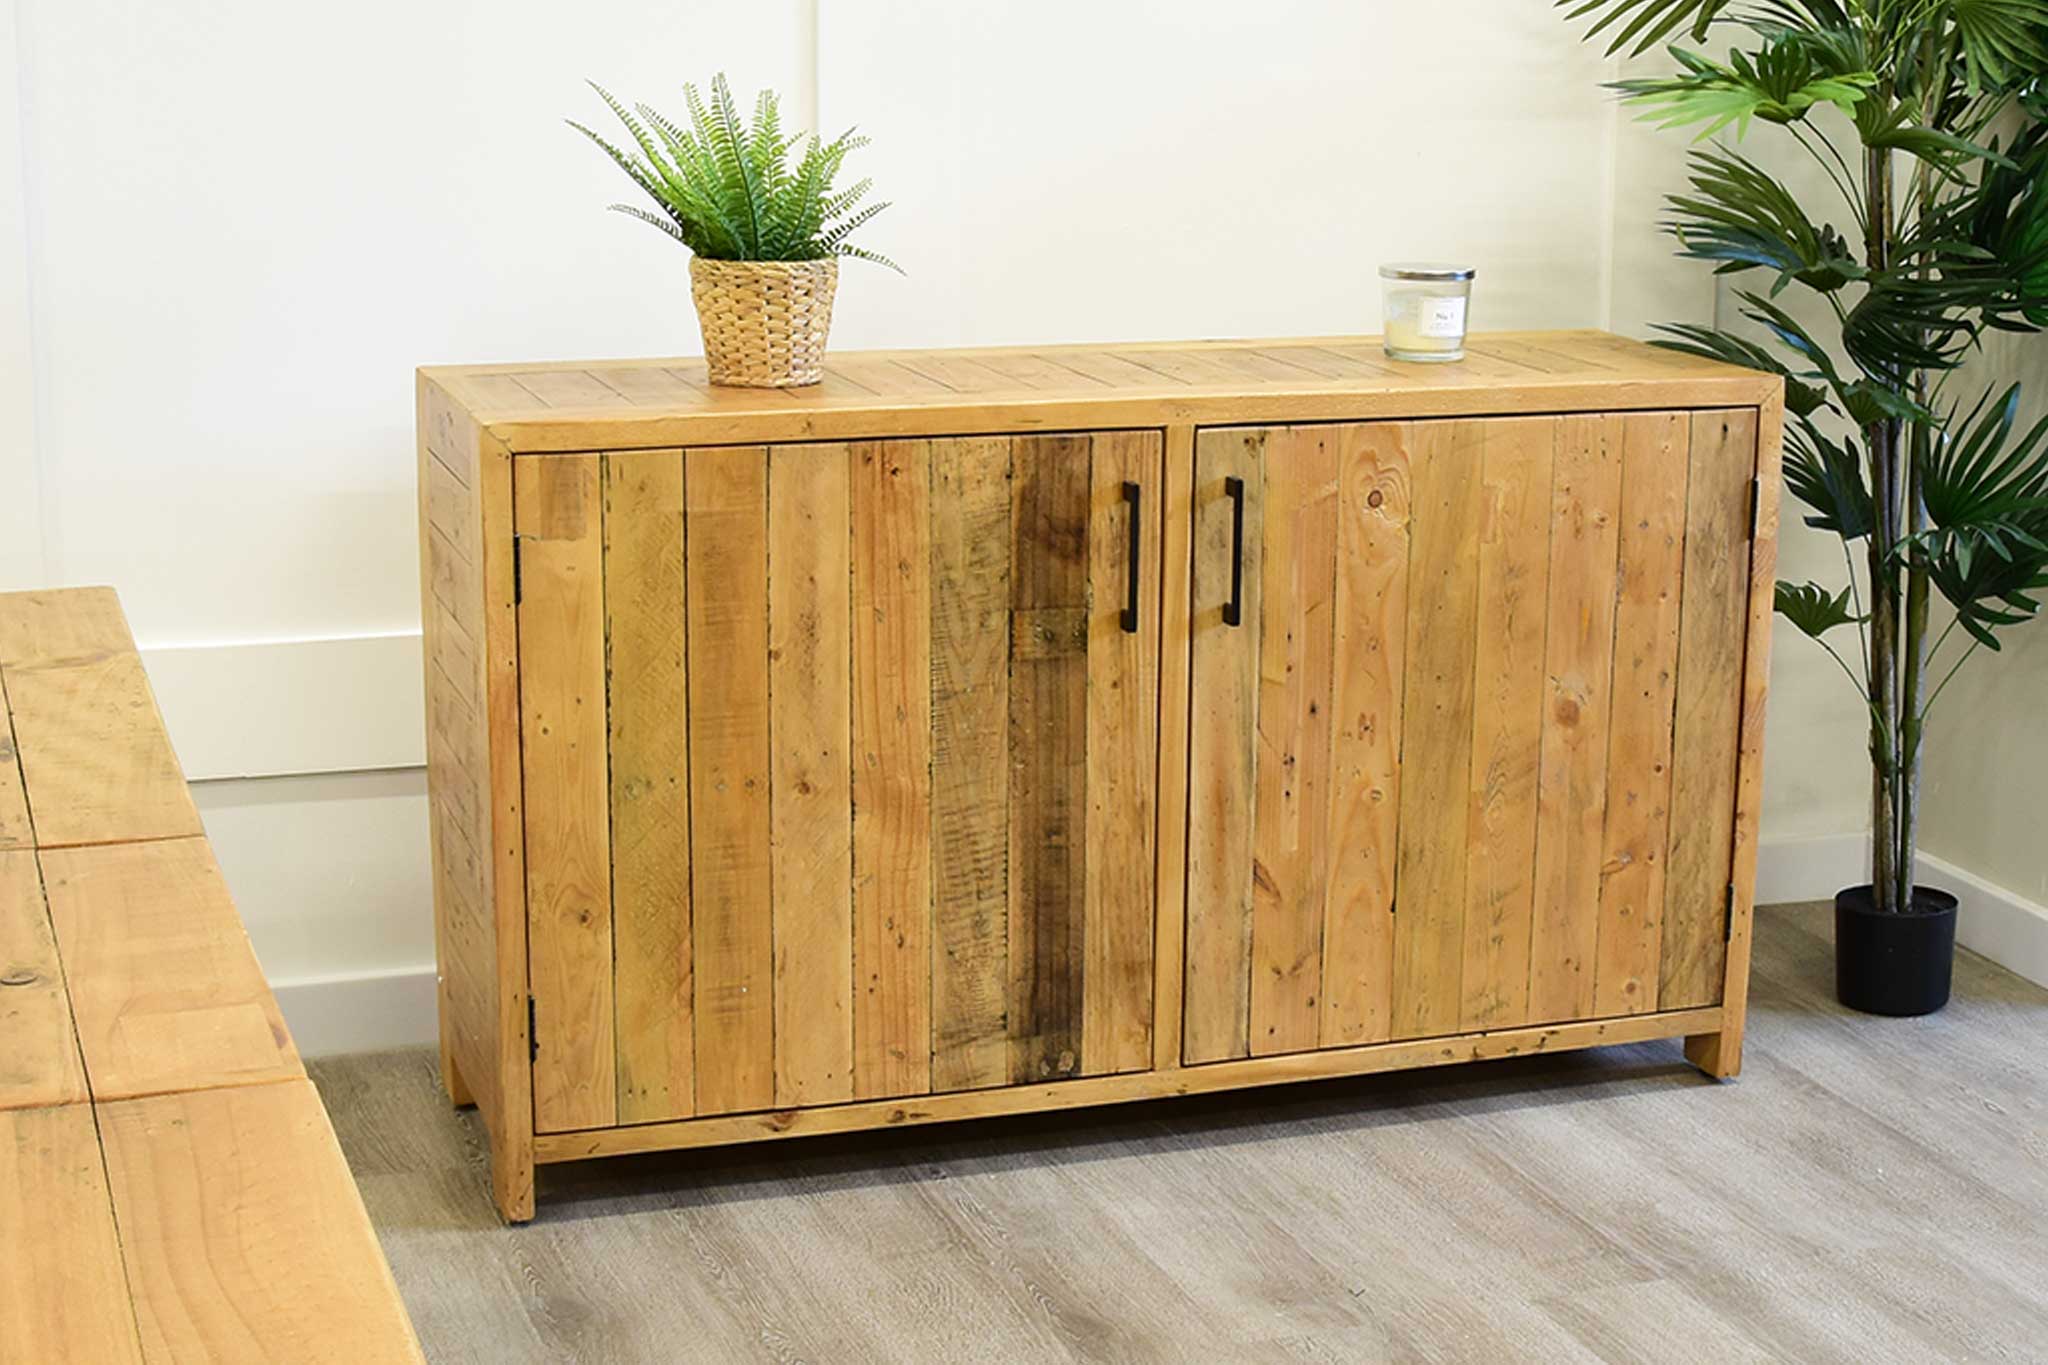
x: 840, y: 770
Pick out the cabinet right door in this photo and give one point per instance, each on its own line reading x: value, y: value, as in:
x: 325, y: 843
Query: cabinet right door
x: 1466, y: 696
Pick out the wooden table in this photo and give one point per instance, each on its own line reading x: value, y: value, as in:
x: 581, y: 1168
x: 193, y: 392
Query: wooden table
x: 170, y: 1187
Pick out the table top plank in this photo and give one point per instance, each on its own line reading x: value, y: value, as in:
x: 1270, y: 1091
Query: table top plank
x: 63, y: 1291
x: 16, y: 831
x: 94, y: 758
x: 164, y: 986
x: 39, y: 1062
x: 243, y: 1234
x: 51, y: 625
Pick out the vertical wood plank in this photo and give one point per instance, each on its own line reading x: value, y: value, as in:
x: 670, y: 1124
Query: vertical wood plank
x: 1222, y: 749
x: 730, y: 894
x: 1514, y: 569
x: 14, y: 825
x: 650, y: 784
x: 40, y: 1062
x: 1436, y: 726
x: 1176, y: 517
x: 1122, y: 756
x: 1048, y: 753
x: 1571, y: 799
x: 892, y: 894
x: 1720, y: 1053
x: 810, y: 684
x: 970, y: 606
x: 1713, y: 609
x: 1653, y: 478
x: 560, y: 519
x: 1290, y: 855
x: 1365, y: 740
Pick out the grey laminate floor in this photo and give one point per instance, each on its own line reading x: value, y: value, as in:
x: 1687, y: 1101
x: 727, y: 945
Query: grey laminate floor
x: 1870, y: 1190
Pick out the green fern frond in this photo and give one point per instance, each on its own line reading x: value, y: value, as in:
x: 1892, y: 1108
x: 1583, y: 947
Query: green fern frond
x: 726, y: 187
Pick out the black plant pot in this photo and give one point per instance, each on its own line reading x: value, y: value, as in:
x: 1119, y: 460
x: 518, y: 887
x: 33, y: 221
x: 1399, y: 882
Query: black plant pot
x: 1894, y: 964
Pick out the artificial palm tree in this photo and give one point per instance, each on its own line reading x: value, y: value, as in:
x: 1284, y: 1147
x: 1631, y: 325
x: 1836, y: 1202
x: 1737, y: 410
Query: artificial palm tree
x: 1927, y: 117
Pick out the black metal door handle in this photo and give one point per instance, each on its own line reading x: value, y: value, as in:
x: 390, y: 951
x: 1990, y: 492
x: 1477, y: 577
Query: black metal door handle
x: 1130, y: 616
x: 1233, y: 610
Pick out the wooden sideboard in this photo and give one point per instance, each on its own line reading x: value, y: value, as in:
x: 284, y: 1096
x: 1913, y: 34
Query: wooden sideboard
x: 990, y: 731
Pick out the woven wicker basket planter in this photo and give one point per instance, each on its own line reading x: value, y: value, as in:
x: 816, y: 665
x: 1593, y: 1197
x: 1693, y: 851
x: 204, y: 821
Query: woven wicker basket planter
x: 764, y: 321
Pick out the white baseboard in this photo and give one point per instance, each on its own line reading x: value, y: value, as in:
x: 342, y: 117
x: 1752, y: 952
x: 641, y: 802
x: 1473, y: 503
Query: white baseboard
x: 360, y: 1013
x: 2000, y: 924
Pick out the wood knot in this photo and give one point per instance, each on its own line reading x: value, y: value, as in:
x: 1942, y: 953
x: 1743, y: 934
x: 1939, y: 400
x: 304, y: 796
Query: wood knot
x: 19, y: 976
x: 1375, y: 498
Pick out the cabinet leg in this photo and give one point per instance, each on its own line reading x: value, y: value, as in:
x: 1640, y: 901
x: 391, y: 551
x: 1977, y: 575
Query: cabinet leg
x: 512, y: 1179
x: 1717, y: 1054
x: 459, y: 1093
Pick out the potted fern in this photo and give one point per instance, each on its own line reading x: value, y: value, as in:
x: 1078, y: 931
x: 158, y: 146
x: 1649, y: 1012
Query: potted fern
x: 1927, y: 120
x: 765, y: 236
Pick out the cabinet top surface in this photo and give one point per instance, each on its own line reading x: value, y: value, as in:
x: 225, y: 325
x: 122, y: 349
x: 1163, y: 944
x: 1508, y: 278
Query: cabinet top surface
x: 612, y: 404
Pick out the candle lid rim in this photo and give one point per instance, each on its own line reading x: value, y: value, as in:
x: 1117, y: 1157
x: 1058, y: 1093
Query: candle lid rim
x: 1425, y: 270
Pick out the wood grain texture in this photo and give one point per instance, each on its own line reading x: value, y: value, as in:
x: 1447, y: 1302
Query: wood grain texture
x: 164, y: 988
x: 16, y: 831
x: 1571, y: 798
x: 1509, y: 695
x: 1170, y: 845
x: 1222, y: 749
x: 564, y: 740
x: 730, y: 895
x: 1050, y: 482
x: 1714, y: 610
x: 970, y: 643
x: 1290, y: 824
x: 216, y: 1193
x: 1368, y: 661
x: 63, y: 1293
x: 40, y: 1063
x: 94, y: 758
x: 1087, y: 1091
x: 1436, y: 726
x: 57, y: 625
x: 810, y: 686
x: 1719, y: 1054
x: 1654, y: 448
x: 495, y: 1040
x: 1122, y: 756
x: 1092, y: 386
x: 648, y: 731
x: 892, y: 793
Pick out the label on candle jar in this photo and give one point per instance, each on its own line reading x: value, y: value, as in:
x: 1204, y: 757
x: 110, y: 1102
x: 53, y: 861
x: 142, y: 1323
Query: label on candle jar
x: 1442, y: 317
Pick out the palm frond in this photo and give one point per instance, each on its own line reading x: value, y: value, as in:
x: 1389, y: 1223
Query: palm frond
x: 1780, y: 83
x: 1809, y: 607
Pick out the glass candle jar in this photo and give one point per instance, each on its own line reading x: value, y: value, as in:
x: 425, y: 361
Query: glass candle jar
x: 1424, y: 310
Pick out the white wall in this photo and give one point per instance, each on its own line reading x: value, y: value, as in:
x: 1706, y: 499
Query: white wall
x: 229, y: 230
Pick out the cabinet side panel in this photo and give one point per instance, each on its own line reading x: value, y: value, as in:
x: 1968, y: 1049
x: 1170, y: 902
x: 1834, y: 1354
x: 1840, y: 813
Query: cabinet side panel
x: 810, y: 790
x: 1123, y: 749
x: 646, y: 660
x: 731, y: 935
x: 892, y: 669
x: 1048, y: 753
x: 563, y: 743
x: 1653, y: 479
x: 970, y: 763
x: 1436, y: 727
x: 1290, y: 854
x: 458, y: 750
x: 1223, y: 727
x: 1365, y: 731
x: 1571, y: 798
x: 1713, y: 616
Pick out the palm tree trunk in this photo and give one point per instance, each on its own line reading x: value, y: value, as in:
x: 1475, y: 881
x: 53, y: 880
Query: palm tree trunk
x: 1884, y: 439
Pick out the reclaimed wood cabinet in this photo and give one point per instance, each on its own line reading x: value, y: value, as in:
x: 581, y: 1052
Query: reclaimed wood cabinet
x: 989, y: 731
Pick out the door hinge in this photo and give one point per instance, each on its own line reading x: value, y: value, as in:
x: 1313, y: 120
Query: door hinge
x: 517, y: 586
x: 1728, y: 915
x: 1756, y: 502
x: 532, y: 1032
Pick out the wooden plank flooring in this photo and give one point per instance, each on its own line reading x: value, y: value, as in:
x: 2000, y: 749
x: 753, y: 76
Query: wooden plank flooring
x: 1589, y: 1206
